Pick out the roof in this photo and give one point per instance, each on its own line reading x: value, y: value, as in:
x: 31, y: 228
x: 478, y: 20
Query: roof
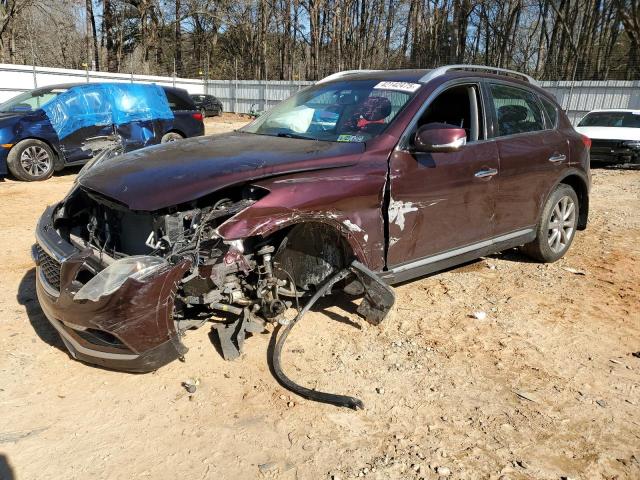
x: 425, y: 76
x: 402, y: 75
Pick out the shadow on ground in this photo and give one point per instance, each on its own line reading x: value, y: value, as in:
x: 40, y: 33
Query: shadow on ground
x: 6, y: 472
x: 27, y: 297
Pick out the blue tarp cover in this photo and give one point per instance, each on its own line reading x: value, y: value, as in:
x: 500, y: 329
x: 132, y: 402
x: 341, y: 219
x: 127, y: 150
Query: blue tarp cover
x: 106, y: 104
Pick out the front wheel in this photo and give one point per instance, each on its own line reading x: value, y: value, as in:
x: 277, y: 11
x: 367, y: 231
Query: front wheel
x: 557, y: 226
x: 31, y: 160
x: 171, y: 137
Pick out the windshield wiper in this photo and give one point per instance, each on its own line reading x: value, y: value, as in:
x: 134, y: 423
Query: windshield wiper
x: 295, y: 135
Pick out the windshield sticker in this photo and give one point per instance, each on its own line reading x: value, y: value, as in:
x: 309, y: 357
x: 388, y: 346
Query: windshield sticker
x: 350, y: 138
x: 401, y: 86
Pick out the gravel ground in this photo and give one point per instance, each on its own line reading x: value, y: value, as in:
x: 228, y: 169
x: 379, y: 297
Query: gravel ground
x: 544, y: 387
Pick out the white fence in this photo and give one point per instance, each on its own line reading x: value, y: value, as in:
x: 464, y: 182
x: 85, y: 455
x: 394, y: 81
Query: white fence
x: 241, y: 95
x: 15, y: 79
x: 578, y: 98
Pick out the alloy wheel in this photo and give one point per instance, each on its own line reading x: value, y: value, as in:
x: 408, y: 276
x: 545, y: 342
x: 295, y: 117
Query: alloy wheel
x: 562, y: 224
x: 36, y: 161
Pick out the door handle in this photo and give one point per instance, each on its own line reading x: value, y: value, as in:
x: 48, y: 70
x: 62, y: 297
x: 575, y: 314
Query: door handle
x: 557, y: 157
x: 489, y: 172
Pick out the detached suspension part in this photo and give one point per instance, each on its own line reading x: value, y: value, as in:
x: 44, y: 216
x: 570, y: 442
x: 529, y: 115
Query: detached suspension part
x: 378, y: 300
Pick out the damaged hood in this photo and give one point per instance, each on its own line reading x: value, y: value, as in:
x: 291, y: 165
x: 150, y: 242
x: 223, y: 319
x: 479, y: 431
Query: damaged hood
x: 178, y: 172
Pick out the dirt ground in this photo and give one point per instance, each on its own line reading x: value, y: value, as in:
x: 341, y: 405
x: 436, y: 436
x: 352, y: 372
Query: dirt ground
x: 545, y: 387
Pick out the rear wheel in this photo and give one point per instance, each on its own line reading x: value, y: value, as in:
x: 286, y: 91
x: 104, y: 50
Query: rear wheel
x: 203, y: 112
x: 171, y: 137
x: 31, y: 160
x: 557, y: 226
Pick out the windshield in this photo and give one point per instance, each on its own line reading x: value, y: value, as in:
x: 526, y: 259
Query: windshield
x: 29, y: 101
x: 346, y: 111
x: 611, y: 119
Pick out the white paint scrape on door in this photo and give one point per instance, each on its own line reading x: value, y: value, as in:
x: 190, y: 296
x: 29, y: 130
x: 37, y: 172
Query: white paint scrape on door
x: 398, y: 210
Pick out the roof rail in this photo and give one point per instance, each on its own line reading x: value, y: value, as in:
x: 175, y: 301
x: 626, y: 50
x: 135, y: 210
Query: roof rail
x: 497, y: 70
x: 337, y: 75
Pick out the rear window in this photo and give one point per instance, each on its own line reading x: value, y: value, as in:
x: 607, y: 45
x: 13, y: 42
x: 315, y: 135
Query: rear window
x: 611, y: 119
x: 518, y: 110
x: 178, y: 102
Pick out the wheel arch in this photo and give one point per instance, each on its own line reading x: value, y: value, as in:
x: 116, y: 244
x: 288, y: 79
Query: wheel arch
x: 58, y: 160
x: 311, y: 251
x: 282, y: 226
x: 579, y: 182
x: 580, y: 186
x: 175, y: 130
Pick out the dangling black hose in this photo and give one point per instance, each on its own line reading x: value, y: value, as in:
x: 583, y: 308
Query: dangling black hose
x: 338, y: 400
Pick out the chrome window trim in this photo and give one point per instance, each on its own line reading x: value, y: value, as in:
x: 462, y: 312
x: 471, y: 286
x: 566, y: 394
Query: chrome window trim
x: 403, y: 143
x: 520, y: 87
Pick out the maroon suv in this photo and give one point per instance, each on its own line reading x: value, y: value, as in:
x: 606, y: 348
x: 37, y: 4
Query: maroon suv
x: 401, y: 173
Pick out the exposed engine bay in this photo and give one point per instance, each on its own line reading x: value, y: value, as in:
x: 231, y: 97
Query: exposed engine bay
x: 240, y: 285
x: 223, y: 277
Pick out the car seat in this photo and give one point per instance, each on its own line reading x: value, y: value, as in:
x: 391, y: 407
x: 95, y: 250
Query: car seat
x: 513, y: 119
x: 368, y: 116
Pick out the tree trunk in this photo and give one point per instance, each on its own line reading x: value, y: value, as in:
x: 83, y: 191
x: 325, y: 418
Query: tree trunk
x: 178, y: 39
x: 108, y: 26
x: 91, y: 27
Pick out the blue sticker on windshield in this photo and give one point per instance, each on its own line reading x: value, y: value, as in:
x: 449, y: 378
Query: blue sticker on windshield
x: 350, y: 138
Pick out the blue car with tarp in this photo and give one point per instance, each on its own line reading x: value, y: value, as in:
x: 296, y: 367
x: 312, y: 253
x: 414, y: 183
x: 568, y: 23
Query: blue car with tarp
x: 50, y: 128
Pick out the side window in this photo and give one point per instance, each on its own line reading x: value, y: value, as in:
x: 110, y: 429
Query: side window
x: 460, y: 107
x: 176, y: 102
x: 517, y: 110
x: 551, y: 110
x: 40, y: 100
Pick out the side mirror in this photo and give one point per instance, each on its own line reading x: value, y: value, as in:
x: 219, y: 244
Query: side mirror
x: 439, y: 137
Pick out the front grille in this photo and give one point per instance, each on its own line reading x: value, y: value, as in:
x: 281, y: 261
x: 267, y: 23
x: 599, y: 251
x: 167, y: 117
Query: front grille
x: 50, y: 268
x: 610, y: 144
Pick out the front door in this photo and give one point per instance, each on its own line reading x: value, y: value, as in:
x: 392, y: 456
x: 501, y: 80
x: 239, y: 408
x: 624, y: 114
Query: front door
x: 443, y: 203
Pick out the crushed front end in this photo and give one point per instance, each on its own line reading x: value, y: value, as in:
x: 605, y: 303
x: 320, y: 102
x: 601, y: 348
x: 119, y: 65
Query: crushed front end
x: 121, y: 286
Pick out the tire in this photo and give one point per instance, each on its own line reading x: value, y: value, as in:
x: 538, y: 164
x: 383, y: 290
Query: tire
x: 557, y: 227
x: 171, y: 137
x: 203, y: 111
x: 31, y: 160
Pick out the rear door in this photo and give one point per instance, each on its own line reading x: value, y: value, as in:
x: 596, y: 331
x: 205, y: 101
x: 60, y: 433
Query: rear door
x: 187, y: 118
x: 85, y: 124
x: 532, y: 154
x: 443, y: 203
